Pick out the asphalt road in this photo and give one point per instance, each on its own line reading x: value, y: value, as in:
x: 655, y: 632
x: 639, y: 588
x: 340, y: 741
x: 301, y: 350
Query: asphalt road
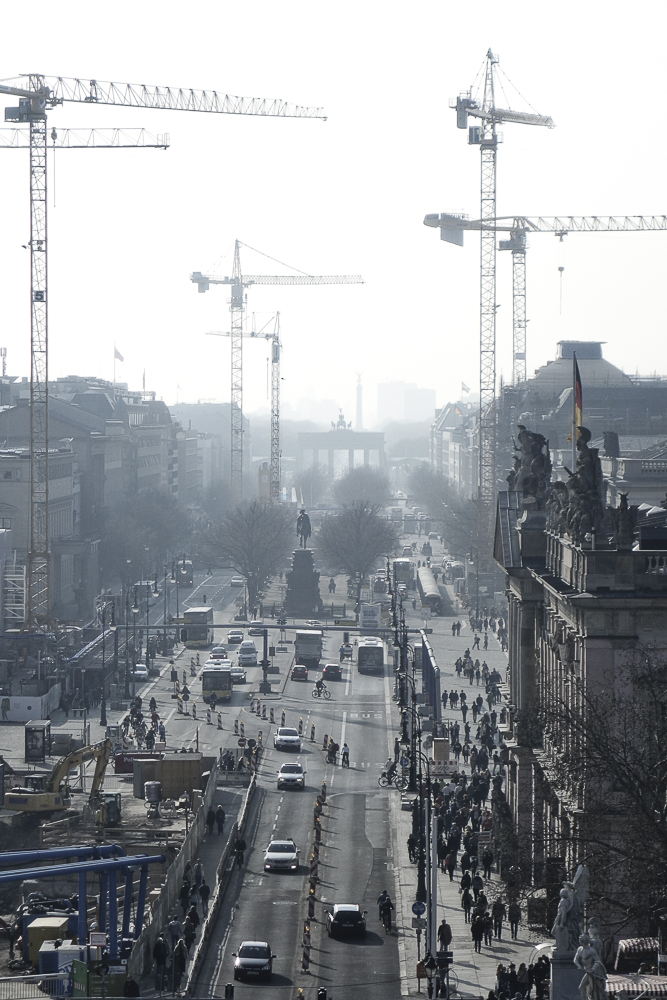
x: 355, y: 860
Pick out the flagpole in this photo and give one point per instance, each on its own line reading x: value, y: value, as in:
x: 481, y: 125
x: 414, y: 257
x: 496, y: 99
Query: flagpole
x: 114, y: 364
x: 574, y: 411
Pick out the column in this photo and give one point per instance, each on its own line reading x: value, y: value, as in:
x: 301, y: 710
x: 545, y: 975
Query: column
x: 350, y: 458
x: 367, y: 456
x: 330, y: 462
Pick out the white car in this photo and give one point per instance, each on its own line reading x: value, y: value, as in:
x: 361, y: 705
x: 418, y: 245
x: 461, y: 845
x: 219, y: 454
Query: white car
x: 235, y: 635
x: 257, y: 628
x: 218, y: 653
x: 247, y: 654
x: 287, y: 739
x: 291, y: 776
x: 238, y: 674
x: 281, y: 855
x: 140, y: 673
x: 237, y: 581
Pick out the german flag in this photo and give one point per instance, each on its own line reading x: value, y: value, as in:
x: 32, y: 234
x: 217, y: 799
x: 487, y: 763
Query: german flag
x: 577, y: 399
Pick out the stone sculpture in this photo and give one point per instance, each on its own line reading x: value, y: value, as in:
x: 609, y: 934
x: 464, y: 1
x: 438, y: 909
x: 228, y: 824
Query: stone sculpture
x: 593, y: 985
x: 532, y: 473
x: 567, y: 925
x: 303, y: 528
x: 623, y: 523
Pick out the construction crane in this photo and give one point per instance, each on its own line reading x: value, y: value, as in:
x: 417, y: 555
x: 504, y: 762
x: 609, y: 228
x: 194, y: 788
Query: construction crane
x: 238, y: 301
x: 485, y: 135
x: 39, y: 94
x: 518, y: 227
x: 274, y: 338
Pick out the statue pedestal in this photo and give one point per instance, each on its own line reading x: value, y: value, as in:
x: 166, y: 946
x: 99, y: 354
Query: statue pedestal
x: 565, y: 976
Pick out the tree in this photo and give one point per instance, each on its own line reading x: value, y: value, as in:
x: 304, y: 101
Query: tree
x: 363, y: 484
x: 311, y: 484
x: 138, y: 532
x: 448, y: 507
x: 255, y: 538
x: 352, y: 540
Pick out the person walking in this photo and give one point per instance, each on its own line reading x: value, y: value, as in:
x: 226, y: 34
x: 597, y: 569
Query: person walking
x: 184, y: 896
x: 444, y: 935
x: 487, y: 861
x: 199, y: 873
x: 477, y: 931
x: 477, y: 885
x: 189, y: 933
x: 210, y: 820
x: 179, y: 963
x: 160, y: 955
x: 239, y: 850
x: 514, y: 915
x: 204, y: 894
x: 466, y: 903
x: 488, y: 930
x: 220, y: 819
x: 499, y: 914
x: 450, y: 864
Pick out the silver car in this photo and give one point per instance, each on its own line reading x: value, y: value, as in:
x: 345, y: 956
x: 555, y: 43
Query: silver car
x: 287, y: 739
x: 291, y: 776
x: 281, y: 855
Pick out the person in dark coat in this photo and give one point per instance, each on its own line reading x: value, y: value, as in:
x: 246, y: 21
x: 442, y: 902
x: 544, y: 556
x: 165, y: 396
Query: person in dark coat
x: 210, y: 819
x: 180, y: 961
x: 477, y: 931
x: 204, y: 894
x: 444, y: 935
x: 184, y: 895
x: 189, y: 933
x: 160, y: 956
x: 220, y: 818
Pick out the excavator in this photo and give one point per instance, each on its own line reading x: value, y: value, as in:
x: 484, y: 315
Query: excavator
x: 43, y: 792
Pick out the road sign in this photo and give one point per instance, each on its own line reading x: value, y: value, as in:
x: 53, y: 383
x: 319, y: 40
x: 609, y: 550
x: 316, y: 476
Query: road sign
x: 418, y: 908
x: 252, y: 743
x: 241, y: 741
x: 419, y: 923
x: 405, y: 762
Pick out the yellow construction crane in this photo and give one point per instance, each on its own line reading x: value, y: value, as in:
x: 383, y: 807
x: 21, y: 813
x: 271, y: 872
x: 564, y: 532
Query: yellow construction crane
x: 43, y: 792
x: 38, y: 94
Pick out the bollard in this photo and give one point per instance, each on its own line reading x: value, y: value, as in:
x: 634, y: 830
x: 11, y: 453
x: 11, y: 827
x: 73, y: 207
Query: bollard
x: 313, y: 867
x: 259, y: 738
x: 316, y: 850
x: 179, y: 705
x: 264, y: 712
x: 312, y: 733
x: 194, y: 709
x: 323, y: 793
x: 185, y: 677
x: 301, y: 727
x: 236, y: 727
x: 318, y: 808
x: 178, y: 688
x: 219, y: 720
x: 311, y: 906
x: 305, y: 960
x: 272, y: 716
x: 306, y: 933
x: 282, y: 718
x: 325, y: 741
x: 208, y: 716
x: 242, y: 728
x: 318, y: 830
x: 252, y: 704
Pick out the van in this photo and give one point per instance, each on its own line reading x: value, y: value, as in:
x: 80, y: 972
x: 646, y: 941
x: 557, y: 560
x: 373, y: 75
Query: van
x: 247, y: 654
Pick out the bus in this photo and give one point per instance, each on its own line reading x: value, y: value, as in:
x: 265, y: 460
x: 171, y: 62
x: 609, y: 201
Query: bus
x: 216, y: 680
x: 197, y: 632
x: 370, y: 655
x: 429, y: 590
x: 184, y: 568
x: 404, y: 570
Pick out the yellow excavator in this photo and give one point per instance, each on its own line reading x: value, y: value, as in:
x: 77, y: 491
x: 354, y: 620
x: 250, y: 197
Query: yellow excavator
x: 43, y: 792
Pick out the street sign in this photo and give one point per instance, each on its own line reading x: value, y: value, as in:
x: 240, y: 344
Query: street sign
x: 405, y: 762
x: 252, y: 743
x: 419, y: 923
x: 418, y: 908
x: 241, y: 741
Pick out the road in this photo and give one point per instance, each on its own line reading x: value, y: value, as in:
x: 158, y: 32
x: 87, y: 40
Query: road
x: 355, y: 860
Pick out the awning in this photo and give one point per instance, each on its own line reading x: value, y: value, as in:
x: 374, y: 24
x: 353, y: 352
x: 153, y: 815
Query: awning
x: 634, y: 986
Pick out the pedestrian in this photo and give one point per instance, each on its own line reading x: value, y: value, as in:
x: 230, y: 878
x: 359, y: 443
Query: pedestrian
x: 175, y: 931
x: 184, y: 895
x: 523, y: 980
x: 189, y: 933
x: 513, y: 981
x: 487, y: 861
x: 466, y: 903
x: 160, y: 955
x: 412, y: 847
x: 210, y: 819
x: 444, y: 935
x: 194, y: 916
x: 498, y: 913
x: 514, y: 915
x: 179, y: 963
x: 477, y: 885
x: 220, y: 817
x: 488, y: 929
x: 199, y: 873
x: 239, y: 850
x: 450, y: 864
x: 477, y: 931
x: 204, y: 894
x: 475, y: 644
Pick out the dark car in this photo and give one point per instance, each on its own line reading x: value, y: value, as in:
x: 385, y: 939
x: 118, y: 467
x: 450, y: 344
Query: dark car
x: 332, y: 672
x: 299, y: 672
x: 346, y: 919
x: 253, y: 959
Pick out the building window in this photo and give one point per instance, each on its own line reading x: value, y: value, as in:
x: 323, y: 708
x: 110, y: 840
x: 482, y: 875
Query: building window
x: 5, y: 522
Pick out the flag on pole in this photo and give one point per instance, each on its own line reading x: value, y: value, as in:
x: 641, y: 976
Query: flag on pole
x: 577, y: 400
x: 458, y: 411
x: 117, y: 356
x: 464, y: 387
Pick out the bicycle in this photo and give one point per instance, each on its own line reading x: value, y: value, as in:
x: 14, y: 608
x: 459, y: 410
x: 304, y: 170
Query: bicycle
x: 324, y: 693
x: 386, y: 918
x: 399, y: 780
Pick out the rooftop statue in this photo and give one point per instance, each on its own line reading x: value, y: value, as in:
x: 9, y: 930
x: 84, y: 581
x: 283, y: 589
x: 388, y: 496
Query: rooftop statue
x: 532, y: 465
x: 623, y: 522
x: 567, y: 925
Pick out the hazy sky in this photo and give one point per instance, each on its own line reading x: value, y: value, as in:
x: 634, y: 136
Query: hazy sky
x: 343, y: 196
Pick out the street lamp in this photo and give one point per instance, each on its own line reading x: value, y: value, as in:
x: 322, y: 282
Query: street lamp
x: 174, y: 579
x: 112, y: 627
x: 431, y: 969
x: 135, y: 612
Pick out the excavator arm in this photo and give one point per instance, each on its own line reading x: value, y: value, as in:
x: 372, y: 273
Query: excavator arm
x: 98, y: 751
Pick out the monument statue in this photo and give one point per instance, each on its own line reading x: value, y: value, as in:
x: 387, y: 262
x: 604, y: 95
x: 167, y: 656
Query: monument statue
x: 623, y: 522
x: 532, y: 473
x: 593, y: 985
x: 567, y: 925
x: 582, y: 511
x: 303, y: 528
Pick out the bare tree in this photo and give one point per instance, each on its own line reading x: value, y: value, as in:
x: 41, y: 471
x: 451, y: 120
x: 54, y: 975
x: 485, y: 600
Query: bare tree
x: 354, y: 539
x: 446, y: 505
x: 362, y: 483
x: 255, y: 538
x: 311, y: 484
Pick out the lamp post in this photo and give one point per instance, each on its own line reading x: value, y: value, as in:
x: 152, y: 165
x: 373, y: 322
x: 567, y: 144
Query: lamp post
x: 431, y: 967
x: 112, y: 626
x: 127, y: 645
x: 164, y: 615
x: 174, y: 579
x: 135, y: 612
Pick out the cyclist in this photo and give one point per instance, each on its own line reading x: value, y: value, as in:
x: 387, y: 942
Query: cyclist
x: 319, y: 685
x: 385, y: 912
x: 345, y: 756
x: 391, y: 771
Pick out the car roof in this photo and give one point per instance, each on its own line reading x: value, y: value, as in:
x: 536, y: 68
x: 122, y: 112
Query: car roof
x: 263, y: 944
x: 288, y: 729
x: 347, y: 908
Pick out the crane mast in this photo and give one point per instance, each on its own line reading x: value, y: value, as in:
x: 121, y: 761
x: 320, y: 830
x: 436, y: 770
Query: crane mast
x: 38, y: 94
x: 275, y: 413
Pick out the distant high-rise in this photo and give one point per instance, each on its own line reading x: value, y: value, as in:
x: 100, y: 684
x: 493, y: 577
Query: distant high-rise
x: 404, y: 402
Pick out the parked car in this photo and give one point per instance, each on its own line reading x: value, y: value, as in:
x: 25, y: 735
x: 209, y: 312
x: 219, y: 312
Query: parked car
x: 299, y: 672
x: 281, y: 855
x: 291, y: 776
x: 253, y: 959
x: 286, y: 738
x: 346, y: 918
x: 332, y: 672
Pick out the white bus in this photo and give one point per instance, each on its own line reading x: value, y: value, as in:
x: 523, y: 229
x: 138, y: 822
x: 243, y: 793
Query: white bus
x: 370, y: 655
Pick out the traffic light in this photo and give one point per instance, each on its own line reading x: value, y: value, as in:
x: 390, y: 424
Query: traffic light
x: 184, y: 635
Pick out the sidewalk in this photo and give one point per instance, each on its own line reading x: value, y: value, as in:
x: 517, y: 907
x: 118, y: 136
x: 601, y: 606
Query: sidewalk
x: 476, y: 973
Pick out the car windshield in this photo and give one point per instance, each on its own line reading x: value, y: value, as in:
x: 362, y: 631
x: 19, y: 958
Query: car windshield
x: 254, y: 951
x: 287, y: 732
x: 291, y: 769
x: 281, y: 847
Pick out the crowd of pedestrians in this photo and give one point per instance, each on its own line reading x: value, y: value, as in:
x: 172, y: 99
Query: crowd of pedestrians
x: 171, y: 951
